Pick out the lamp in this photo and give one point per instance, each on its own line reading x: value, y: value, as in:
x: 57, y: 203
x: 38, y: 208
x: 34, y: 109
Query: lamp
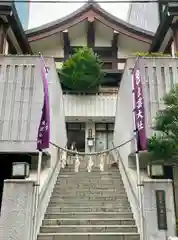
x: 20, y: 170
x: 155, y: 170
x: 90, y: 139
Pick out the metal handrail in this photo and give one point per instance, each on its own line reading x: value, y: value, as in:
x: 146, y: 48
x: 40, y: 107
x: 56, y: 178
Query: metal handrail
x: 128, y: 179
x: 126, y: 173
x: 44, y: 190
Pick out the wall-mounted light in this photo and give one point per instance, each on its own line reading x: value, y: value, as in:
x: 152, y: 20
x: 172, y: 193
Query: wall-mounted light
x: 90, y: 133
x: 90, y: 139
x: 155, y: 170
x: 20, y: 170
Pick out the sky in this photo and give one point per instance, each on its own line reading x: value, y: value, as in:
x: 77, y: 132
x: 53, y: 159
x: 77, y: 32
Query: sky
x: 41, y: 13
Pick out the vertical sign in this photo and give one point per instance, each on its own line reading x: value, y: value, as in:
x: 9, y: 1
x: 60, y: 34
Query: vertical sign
x: 161, y: 209
x: 44, y: 127
x: 139, y: 107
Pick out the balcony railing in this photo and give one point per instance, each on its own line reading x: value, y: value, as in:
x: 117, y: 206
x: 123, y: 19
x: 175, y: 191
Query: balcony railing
x: 90, y: 105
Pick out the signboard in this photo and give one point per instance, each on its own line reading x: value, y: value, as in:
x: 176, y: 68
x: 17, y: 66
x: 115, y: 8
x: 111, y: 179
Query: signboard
x: 161, y: 209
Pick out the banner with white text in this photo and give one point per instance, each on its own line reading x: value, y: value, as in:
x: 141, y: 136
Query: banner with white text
x: 139, y: 108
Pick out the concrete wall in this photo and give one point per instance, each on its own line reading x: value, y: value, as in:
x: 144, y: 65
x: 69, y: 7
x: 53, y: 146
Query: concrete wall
x: 21, y: 103
x: 18, y: 220
x: 158, y: 76
x: 150, y: 210
x: 17, y: 210
x: 150, y: 220
x: 90, y: 105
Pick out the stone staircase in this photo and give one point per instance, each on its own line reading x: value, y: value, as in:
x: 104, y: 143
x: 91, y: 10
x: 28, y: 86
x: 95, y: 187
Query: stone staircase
x: 89, y: 206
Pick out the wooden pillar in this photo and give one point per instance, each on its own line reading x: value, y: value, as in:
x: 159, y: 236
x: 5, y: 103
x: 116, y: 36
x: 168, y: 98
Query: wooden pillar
x: 175, y: 35
x: 66, y: 41
x: 91, y: 32
x: 114, y: 49
x: 3, y: 34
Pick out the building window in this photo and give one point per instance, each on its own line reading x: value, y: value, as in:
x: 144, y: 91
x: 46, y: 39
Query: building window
x: 75, y: 126
x: 108, y: 127
x: 107, y: 65
x: 100, y: 126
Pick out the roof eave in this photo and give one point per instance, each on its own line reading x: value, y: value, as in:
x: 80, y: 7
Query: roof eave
x: 163, y: 28
x: 9, y: 10
x: 19, y: 32
x: 83, y: 9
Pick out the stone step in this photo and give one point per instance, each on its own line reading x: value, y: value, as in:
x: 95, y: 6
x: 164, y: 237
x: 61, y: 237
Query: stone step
x: 98, y: 183
x: 89, y: 194
x: 89, y: 236
x: 88, y: 228
x: 118, y: 197
x: 94, y: 205
x: 53, y: 209
x: 85, y: 221
x: 93, y: 188
x: 103, y: 189
x: 89, y: 190
x: 86, y: 176
x: 90, y: 200
x: 89, y: 175
x: 89, y: 215
x: 94, y: 169
x: 86, y: 185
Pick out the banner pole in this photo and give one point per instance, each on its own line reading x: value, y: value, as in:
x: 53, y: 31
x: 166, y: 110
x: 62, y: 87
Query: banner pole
x: 139, y: 185
x: 42, y: 141
x: 37, y: 191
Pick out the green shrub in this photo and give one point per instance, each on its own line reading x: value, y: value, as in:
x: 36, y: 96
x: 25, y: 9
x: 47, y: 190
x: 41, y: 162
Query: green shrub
x: 82, y: 71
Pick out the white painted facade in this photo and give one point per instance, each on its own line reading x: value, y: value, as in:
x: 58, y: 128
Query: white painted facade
x: 158, y: 76
x: 90, y: 109
x: 90, y: 106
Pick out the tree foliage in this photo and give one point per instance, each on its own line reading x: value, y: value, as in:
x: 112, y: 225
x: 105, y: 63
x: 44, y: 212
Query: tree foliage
x: 82, y: 71
x: 164, y: 143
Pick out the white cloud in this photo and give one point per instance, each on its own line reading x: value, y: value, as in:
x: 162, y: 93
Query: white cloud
x: 41, y: 13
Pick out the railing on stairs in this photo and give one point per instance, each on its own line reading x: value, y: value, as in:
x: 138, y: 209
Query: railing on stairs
x: 133, y: 198
x: 46, y: 192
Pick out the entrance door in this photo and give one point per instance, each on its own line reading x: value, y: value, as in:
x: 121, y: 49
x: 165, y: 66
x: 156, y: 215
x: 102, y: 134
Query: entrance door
x: 110, y: 140
x: 101, y: 141
x: 76, y: 133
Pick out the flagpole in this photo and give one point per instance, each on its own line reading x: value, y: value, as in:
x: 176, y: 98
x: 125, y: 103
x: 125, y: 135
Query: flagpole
x: 139, y: 185
x: 37, y: 191
x: 42, y: 141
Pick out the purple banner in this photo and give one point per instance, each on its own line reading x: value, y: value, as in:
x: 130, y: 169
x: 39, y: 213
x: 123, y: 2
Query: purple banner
x: 44, y: 127
x: 139, y: 107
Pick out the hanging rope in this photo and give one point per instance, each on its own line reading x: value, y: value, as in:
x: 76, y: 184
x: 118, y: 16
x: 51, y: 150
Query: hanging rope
x: 90, y: 153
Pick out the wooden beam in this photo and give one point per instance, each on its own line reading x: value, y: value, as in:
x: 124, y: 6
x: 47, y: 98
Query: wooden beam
x: 91, y: 33
x: 175, y: 34
x: 114, y: 49
x: 104, y: 59
x: 167, y: 50
x: 3, y: 35
x: 66, y: 41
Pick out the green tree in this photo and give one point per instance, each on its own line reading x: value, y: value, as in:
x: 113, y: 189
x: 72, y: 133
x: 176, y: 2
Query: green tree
x: 82, y: 71
x: 164, y: 144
